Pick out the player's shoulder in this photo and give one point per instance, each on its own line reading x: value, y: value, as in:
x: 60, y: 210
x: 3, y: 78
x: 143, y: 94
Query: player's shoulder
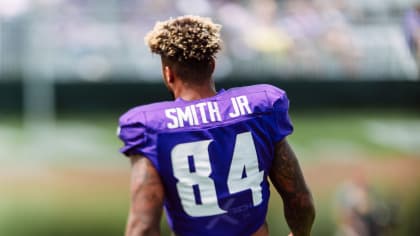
x: 272, y: 93
x: 137, y: 114
x: 261, y: 87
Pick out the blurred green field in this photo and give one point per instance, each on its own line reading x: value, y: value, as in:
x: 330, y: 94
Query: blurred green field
x: 67, y: 178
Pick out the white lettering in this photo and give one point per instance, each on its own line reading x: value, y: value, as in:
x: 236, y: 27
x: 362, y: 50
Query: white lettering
x: 240, y: 106
x: 214, y: 111
x: 184, y: 116
x: 243, y: 104
x: 205, y: 112
x: 235, y: 112
x: 202, y: 112
x: 169, y: 115
x: 194, y: 113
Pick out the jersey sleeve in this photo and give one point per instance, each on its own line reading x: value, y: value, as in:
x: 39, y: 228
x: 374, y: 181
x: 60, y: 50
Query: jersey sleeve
x: 282, y: 125
x: 136, y: 137
x: 132, y: 133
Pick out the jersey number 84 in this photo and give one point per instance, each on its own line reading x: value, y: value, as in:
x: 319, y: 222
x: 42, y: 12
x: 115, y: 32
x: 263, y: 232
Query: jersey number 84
x: 198, y: 182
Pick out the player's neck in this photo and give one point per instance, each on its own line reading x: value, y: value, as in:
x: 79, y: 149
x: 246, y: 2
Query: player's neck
x: 190, y: 92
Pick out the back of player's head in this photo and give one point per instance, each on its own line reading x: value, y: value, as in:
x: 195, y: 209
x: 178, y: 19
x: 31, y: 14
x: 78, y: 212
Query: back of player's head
x: 188, y: 44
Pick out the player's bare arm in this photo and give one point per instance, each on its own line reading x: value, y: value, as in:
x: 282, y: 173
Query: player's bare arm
x: 147, y: 195
x: 287, y: 178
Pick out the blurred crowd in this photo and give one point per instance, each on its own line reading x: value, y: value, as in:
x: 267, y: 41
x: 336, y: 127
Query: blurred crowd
x: 289, y: 39
x: 362, y: 211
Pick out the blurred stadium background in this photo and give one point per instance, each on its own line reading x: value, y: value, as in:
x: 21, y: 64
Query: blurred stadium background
x: 68, y: 69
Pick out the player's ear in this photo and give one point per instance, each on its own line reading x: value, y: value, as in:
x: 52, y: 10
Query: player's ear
x: 212, y: 64
x: 168, y: 75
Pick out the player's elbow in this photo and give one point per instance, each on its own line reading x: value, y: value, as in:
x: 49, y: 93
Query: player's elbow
x: 307, y: 205
x: 310, y: 208
x: 300, y: 213
x: 142, y: 231
x: 302, y: 205
x: 137, y: 227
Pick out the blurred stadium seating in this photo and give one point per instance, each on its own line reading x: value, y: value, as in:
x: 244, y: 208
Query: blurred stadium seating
x: 103, y: 40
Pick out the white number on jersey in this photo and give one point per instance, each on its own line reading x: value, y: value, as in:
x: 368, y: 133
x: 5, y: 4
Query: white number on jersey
x: 244, y: 161
x: 186, y: 179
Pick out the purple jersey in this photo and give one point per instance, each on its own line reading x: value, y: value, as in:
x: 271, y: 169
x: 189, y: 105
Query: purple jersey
x: 213, y: 156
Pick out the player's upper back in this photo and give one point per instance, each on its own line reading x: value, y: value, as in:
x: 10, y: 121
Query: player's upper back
x: 213, y: 155
x: 227, y: 106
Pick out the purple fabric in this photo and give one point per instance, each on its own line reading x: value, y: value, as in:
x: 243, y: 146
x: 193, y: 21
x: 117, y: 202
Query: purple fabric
x: 155, y: 130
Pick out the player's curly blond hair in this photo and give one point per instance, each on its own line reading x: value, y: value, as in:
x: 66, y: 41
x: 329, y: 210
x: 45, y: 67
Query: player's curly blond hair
x: 185, y: 38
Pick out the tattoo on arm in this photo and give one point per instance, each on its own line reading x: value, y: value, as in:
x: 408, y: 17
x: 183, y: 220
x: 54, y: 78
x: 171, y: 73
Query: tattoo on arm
x: 147, y: 195
x: 287, y: 178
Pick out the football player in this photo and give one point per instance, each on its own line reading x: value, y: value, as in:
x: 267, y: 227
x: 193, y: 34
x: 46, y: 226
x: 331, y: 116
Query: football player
x: 206, y: 157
